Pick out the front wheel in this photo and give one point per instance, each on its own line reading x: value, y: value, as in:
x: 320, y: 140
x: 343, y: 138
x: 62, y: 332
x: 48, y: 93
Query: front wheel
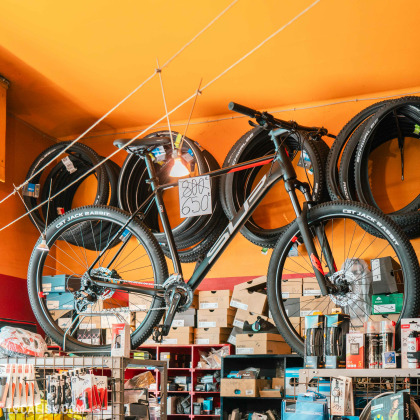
x: 339, y: 225
x: 63, y: 297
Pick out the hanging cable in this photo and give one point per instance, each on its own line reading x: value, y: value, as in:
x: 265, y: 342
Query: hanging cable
x: 125, y: 98
x: 173, y: 109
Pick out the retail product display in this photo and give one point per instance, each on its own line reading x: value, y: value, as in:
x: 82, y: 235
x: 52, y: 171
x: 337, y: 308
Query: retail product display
x: 108, y: 285
x: 120, y: 340
x: 19, y: 387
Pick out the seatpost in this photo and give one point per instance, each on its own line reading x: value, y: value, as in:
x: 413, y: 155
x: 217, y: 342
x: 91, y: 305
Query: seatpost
x: 154, y: 183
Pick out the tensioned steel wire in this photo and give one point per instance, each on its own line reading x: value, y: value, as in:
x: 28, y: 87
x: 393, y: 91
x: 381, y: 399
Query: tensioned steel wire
x: 172, y: 110
x: 124, y: 99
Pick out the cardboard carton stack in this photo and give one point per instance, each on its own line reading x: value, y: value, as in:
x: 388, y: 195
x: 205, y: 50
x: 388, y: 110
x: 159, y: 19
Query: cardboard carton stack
x: 214, y: 317
x: 251, y: 300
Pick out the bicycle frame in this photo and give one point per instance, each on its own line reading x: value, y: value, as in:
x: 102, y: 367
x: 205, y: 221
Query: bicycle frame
x: 281, y: 168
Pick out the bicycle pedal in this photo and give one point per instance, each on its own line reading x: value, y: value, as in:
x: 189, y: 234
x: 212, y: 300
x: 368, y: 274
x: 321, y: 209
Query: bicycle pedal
x: 159, y: 332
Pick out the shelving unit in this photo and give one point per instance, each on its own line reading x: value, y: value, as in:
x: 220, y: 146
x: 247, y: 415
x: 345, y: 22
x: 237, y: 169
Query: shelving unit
x: 192, y: 356
x: 117, y: 368
x: 268, y: 365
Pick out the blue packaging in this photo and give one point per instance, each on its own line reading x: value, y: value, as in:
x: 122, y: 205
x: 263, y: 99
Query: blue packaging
x: 56, y: 283
x: 309, y: 406
x: 208, y: 404
x: 60, y: 301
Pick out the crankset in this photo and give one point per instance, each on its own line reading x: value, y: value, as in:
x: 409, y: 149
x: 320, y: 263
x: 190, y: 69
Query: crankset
x: 178, y: 298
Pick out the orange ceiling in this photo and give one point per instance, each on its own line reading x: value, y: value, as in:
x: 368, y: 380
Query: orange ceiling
x: 70, y: 62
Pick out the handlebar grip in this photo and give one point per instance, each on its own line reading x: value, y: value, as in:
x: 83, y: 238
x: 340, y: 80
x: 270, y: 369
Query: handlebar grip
x: 241, y: 109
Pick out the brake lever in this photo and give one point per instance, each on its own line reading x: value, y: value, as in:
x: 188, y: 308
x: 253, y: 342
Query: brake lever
x: 253, y: 124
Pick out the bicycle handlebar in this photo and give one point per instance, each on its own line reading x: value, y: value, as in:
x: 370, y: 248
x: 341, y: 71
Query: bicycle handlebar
x: 264, y: 117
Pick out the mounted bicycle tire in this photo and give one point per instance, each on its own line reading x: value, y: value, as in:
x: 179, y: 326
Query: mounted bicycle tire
x: 149, y: 266
x: 340, y: 223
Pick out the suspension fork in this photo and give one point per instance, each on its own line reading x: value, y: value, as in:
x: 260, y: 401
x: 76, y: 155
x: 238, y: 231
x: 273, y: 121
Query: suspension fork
x: 291, y: 184
x: 154, y: 184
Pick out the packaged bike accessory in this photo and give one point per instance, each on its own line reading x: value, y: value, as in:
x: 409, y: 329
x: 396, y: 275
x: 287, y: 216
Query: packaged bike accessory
x: 17, y: 342
x: 389, y: 360
x: 408, y: 325
x: 372, y: 345
x: 386, y: 339
x: 314, y: 341
x: 339, y: 396
x: 120, y: 341
x: 413, y: 347
x: 336, y: 328
x: 355, y: 350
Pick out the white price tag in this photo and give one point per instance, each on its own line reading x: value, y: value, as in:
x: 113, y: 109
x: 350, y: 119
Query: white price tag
x: 195, y: 196
x: 68, y: 164
x: 202, y: 341
x: 245, y: 350
x: 209, y: 305
x: 207, y: 324
x: 238, y: 323
x: 239, y: 305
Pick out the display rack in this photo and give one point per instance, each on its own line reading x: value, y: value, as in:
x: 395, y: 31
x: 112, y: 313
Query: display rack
x: 191, y: 351
x: 114, y: 367
x: 268, y: 364
x: 367, y: 383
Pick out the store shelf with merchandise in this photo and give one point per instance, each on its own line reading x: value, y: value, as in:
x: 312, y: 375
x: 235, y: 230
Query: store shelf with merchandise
x: 184, y: 362
x: 269, y: 365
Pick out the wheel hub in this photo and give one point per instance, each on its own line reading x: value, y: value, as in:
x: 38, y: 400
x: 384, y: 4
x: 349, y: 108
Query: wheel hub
x: 344, y: 296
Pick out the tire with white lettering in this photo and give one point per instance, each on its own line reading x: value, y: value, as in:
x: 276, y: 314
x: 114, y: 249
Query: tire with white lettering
x: 71, y: 302
x: 338, y: 236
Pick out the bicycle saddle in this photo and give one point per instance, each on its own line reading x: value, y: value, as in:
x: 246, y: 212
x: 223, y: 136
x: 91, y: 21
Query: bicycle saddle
x: 144, y: 145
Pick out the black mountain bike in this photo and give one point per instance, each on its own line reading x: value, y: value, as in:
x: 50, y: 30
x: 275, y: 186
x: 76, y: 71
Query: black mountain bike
x: 124, y: 273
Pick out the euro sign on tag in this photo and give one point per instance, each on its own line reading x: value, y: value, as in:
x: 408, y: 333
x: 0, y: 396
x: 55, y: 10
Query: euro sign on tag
x: 195, y: 196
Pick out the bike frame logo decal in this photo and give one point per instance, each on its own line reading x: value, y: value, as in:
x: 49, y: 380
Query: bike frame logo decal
x: 317, y: 264
x: 231, y: 227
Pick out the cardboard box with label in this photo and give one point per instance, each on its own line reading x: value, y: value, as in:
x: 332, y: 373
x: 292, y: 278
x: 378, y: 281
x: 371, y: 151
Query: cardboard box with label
x: 214, y: 299
x: 91, y: 336
x: 251, y: 296
x: 242, y: 387
x: 57, y: 283
x: 177, y: 335
x: 60, y: 301
x: 185, y: 319
x: 242, y: 316
x: 291, y: 288
x: 310, y: 287
x: 232, y: 337
x: 180, y: 335
x: 211, y: 335
x: 386, y: 274
x: 387, y: 304
x: 311, y: 304
x: 261, y: 343
x: 215, y: 318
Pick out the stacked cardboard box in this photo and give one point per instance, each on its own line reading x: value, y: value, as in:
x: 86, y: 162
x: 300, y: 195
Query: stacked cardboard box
x: 214, y: 317
x: 251, y: 300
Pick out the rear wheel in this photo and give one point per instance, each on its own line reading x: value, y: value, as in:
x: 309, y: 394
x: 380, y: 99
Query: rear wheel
x: 340, y: 225
x: 79, y: 306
